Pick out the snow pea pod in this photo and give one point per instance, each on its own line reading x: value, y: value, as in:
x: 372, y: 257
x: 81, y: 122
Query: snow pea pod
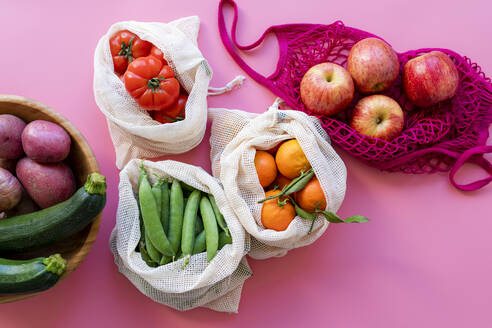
x: 224, y: 239
x: 218, y: 216
x: 157, y: 191
x: 188, y: 231
x: 200, y: 244
x: 165, y: 205
x: 210, y: 226
x: 151, y: 250
x: 151, y: 217
x: 198, y: 225
x: 165, y: 260
x: 145, y: 256
x: 176, y: 207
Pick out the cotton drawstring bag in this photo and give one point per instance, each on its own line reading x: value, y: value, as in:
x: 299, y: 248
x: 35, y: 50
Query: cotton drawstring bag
x: 133, y: 132
x: 235, y: 137
x: 217, y: 284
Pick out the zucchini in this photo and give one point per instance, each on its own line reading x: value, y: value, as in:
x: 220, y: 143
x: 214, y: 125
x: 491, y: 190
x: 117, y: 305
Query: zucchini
x: 32, y: 275
x: 52, y: 224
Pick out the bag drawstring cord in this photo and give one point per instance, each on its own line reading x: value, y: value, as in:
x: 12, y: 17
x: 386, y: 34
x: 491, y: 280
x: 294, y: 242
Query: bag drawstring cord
x: 236, y: 82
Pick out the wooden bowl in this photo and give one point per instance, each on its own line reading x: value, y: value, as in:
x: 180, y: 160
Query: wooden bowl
x: 81, y: 160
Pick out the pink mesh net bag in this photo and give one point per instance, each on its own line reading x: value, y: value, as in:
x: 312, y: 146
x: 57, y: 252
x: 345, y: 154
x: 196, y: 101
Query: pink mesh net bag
x: 437, y: 139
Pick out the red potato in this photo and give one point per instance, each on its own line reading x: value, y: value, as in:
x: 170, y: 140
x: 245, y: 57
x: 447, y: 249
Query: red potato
x: 8, y: 164
x: 11, y: 128
x: 10, y: 190
x: 45, y: 142
x: 46, y: 184
x: 26, y: 205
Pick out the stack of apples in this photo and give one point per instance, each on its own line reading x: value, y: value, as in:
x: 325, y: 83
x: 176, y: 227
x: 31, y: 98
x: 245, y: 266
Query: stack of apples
x: 373, y: 67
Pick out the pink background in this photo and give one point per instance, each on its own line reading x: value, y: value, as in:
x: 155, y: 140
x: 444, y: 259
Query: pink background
x: 423, y: 261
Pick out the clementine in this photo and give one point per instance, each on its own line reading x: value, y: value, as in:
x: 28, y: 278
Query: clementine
x: 291, y: 160
x: 265, y: 167
x: 276, y: 217
x: 280, y: 182
x: 273, y: 150
x: 310, y: 196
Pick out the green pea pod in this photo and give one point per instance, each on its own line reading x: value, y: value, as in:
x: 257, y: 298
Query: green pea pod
x: 198, y: 225
x: 187, y: 189
x: 178, y: 256
x: 188, y: 231
x: 218, y: 216
x: 151, y: 217
x: 294, y: 186
x: 142, y: 175
x: 176, y: 207
x: 200, y: 244
x: 145, y: 256
x: 142, y: 228
x: 210, y: 226
x: 140, y: 219
x: 224, y: 239
x: 151, y: 250
x: 165, y: 205
x: 157, y: 191
x: 165, y: 260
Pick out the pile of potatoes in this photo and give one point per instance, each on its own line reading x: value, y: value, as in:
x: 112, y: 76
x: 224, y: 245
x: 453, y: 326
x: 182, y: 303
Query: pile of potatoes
x: 32, y: 172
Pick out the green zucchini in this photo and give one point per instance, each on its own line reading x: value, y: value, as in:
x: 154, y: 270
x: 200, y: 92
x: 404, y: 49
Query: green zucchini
x: 25, y: 276
x: 52, y: 224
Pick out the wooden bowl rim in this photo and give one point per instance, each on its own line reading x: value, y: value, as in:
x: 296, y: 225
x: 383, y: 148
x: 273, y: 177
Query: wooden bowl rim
x: 94, y: 166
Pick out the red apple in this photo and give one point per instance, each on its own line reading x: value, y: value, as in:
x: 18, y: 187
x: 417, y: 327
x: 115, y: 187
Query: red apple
x: 373, y: 64
x: 327, y: 89
x: 430, y: 78
x: 378, y: 116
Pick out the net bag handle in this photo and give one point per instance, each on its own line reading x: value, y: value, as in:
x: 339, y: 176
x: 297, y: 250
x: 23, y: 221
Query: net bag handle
x: 475, y: 156
x: 230, y: 45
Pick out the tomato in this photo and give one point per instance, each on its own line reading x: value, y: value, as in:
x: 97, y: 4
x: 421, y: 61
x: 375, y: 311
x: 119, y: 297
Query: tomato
x: 125, y: 46
x: 152, y: 84
x: 158, y: 54
x: 173, y: 114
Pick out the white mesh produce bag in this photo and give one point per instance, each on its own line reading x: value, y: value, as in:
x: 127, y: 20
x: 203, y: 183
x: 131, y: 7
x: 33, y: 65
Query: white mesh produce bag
x: 234, y: 139
x: 133, y: 132
x: 216, y: 285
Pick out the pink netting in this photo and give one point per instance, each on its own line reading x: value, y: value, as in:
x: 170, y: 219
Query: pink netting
x: 432, y: 140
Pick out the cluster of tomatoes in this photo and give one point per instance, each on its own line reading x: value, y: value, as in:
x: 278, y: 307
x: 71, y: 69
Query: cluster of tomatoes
x: 147, y: 77
x: 279, y: 169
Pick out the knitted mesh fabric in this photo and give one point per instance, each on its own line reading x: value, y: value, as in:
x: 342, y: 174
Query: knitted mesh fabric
x: 433, y: 138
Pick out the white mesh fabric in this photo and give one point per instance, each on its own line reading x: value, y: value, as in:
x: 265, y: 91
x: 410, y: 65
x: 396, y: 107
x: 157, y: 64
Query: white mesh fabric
x: 200, y: 283
x: 133, y: 132
x: 234, y: 139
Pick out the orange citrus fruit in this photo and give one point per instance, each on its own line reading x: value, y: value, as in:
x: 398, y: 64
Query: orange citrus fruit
x: 280, y: 182
x: 311, y: 195
x: 276, y: 217
x: 265, y: 167
x: 291, y: 160
x: 273, y: 150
